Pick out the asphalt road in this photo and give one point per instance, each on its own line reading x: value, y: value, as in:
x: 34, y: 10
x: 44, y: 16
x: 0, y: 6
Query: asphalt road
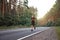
x: 15, y: 34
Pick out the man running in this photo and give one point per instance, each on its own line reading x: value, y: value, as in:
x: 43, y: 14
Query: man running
x: 33, y: 23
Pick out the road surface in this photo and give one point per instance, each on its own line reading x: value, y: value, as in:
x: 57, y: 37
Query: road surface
x: 15, y: 34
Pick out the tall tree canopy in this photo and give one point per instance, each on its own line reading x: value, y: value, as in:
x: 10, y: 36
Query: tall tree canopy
x: 15, y: 12
x: 53, y: 15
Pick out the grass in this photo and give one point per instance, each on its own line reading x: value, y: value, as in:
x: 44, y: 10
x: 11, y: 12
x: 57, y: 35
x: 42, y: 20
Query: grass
x: 58, y: 32
x: 11, y: 27
x: 6, y: 27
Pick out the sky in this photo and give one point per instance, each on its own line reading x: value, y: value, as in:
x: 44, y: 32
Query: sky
x: 43, y: 6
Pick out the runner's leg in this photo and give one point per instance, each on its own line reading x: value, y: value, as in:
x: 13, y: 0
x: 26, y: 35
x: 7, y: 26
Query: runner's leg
x: 32, y: 28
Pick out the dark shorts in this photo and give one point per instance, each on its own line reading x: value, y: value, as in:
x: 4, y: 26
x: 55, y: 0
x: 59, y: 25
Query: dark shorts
x: 33, y: 23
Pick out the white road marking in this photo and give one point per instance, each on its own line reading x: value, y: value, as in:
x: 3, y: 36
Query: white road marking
x: 32, y: 34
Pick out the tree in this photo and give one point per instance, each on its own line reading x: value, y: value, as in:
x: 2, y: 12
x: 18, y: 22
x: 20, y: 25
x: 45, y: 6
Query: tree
x: 55, y: 13
x: 12, y: 13
x: 26, y: 3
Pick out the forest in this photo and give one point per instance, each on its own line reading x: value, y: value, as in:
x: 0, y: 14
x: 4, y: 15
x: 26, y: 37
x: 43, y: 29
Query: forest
x: 16, y: 12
